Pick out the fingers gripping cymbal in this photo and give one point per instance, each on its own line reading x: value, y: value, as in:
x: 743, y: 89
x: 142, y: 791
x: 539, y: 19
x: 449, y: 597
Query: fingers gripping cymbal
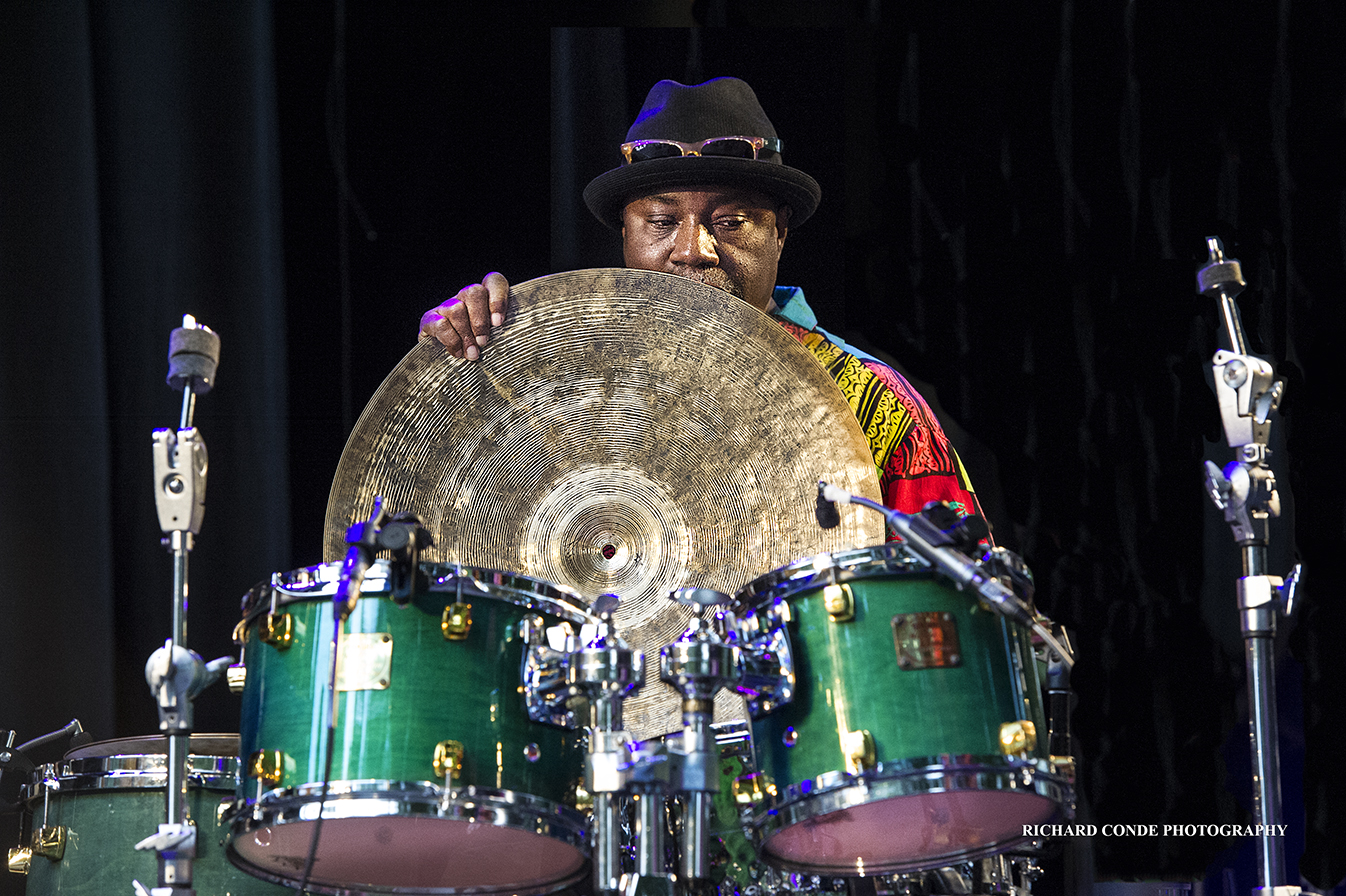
x: 627, y: 432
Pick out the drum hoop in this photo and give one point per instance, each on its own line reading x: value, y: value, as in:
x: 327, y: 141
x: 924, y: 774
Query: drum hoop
x: 838, y: 567
x: 503, y: 808
x: 414, y: 793
x: 316, y: 582
x: 934, y: 774
x: 140, y: 772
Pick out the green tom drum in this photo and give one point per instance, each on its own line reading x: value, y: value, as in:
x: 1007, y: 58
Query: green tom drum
x: 102, y: 799
x: 914, y: 735
x: 449, y: 773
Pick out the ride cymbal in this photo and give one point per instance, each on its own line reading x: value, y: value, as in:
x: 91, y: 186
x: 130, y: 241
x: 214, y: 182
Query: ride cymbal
x: 625, y: 432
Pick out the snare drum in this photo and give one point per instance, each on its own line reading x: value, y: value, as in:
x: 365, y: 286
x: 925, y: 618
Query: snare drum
x: 915, y: 736
x: 102, y: 799
x: 449, y: 774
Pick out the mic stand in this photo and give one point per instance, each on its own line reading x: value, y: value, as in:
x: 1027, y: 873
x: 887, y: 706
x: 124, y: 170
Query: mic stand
x: 1246, y: 491
x: 175, y: 674
x: 935, y: 546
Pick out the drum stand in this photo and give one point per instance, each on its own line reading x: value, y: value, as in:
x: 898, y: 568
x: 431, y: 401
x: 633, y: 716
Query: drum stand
x: 604, y: 671
x: 1246, y: 491
x: 174, y: 673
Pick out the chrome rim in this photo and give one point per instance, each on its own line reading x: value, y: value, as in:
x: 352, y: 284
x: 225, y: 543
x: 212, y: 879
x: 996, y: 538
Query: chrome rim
x: 142, y: 772
x: 314, y: 582
x: 835, y: 568
x: 837, y: 791
x: 352, y: 799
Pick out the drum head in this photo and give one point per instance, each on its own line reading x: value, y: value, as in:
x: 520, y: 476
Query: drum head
x: 910, y: 833
x: 407, y: 853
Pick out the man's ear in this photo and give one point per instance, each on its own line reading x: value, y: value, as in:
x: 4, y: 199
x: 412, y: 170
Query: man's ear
x: 783, y: 214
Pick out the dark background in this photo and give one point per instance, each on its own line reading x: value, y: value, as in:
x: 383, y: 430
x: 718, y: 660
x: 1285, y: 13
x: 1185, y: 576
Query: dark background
x: 1016, y: 200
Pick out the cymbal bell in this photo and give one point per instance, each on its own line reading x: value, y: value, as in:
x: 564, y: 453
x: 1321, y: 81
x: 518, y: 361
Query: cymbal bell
x: 625, y: 432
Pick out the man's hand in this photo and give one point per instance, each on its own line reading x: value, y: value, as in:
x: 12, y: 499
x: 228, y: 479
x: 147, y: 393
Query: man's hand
x: 463, y: 323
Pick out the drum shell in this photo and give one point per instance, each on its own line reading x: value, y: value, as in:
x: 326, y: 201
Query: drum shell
x: 107, y: 804
x: 466, y: 691
x: 889, y: 659
x: 847, y: 678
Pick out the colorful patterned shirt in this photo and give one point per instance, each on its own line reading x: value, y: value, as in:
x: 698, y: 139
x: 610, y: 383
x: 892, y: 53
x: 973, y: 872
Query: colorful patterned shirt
x: 916, y: 463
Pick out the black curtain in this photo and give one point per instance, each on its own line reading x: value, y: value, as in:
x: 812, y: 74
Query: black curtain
x: 1015, y: 202
x: 139, y: 176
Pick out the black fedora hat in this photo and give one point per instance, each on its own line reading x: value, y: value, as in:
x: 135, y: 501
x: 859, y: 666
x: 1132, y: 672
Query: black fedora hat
x: 722, y: 107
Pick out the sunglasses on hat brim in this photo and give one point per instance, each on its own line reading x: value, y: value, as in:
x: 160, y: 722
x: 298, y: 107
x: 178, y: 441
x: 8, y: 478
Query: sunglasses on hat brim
x: 720, y: 147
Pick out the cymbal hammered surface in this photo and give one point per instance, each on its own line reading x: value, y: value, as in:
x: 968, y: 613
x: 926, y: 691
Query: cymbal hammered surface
x: 625, y: 432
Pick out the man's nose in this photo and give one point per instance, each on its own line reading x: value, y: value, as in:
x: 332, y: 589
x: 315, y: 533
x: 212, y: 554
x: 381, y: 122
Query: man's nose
x: 695, y: 246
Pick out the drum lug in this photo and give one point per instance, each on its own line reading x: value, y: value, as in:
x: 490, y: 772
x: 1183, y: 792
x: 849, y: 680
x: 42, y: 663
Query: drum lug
x: 448, y: 760
x: 840, y: 603
x: 267, y: 766
x: 751, y: 789
x: 277, y: 629
x: 1018, y: 739
x: 456, y: 621
x: 20, y: 858
x: 49, y: 842
x: 859, y: 749
x: 1063, y: 766
x: 580, y: 798
x: 228, y: 808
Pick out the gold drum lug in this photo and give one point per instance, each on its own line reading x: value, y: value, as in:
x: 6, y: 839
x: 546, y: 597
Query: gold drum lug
x: 751, y: 789
x: 840, y: 602
x: 277, y: 629
x: 448, y: 761
x: 456, y: 621
x: 1018, y: 738
x: 859, y: 749
x: 1064, y: 766
x: 583, y: 800
x: 267, y: 766
x: 49, y: 842
x: 20, y: 858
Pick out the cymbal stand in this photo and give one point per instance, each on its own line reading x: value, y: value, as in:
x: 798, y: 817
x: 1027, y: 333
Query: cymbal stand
x: 604, y: 671
x: 174, y: 673
x: 698, y: 664
x: 1245, y: 490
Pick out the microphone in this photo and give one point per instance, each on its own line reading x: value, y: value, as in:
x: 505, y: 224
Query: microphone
x: 825, y: 509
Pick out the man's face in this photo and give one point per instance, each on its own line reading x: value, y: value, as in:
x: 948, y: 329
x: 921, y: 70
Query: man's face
x: 721, y: 236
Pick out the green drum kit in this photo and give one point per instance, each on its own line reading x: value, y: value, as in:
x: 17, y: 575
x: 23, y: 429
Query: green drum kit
x: 627, y: 643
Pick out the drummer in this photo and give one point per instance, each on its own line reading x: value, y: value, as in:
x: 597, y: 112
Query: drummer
x: 703, y: 192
